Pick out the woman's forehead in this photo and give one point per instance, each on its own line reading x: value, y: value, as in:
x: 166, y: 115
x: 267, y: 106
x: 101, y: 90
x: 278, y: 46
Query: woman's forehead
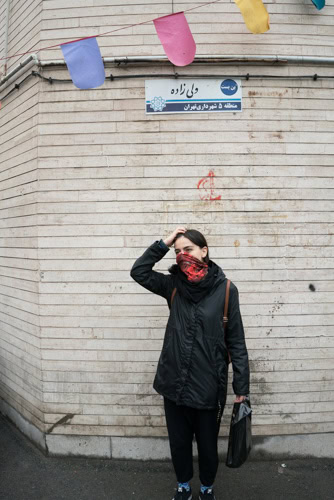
x: 183, y: 242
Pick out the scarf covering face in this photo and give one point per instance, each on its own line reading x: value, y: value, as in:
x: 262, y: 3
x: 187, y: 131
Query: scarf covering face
x: 194, y: 292
x: 193, y: 268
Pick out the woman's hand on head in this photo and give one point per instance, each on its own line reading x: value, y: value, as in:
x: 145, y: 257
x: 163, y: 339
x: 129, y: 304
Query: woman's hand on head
x: 170, y: 239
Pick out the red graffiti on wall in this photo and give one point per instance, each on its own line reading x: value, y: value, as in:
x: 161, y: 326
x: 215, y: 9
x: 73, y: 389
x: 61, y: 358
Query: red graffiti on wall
x: 206, y: 187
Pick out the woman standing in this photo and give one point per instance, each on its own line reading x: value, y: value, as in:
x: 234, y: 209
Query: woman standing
x: 193, y: 366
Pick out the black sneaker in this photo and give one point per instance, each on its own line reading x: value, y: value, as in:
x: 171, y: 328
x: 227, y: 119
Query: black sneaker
x: 207, y: 495
x: 183, y: 494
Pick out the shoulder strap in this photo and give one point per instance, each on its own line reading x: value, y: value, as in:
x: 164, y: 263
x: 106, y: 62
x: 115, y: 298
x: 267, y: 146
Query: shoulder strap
x: 227, y: 296
x: 225, y: 317
x: 173, y: 295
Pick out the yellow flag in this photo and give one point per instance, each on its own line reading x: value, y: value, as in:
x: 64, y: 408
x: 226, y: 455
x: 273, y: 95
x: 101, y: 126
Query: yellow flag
x: 255, y: 15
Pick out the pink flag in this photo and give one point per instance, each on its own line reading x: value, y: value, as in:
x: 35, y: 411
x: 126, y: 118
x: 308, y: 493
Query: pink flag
x: 176, y: 38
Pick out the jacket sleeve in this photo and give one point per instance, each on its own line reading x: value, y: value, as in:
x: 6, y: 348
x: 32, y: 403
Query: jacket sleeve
x: 142, y: 271
x: 236, y: 345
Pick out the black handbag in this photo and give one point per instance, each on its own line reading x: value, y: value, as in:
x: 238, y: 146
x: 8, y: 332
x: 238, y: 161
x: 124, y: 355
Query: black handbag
x: 240, y: 438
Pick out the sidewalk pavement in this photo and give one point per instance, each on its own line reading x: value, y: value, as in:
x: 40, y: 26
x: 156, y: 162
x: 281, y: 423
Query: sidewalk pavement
x: 26, y: 474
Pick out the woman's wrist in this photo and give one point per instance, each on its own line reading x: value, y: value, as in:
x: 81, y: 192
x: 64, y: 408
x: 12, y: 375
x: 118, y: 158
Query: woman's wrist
x: 163, y: 245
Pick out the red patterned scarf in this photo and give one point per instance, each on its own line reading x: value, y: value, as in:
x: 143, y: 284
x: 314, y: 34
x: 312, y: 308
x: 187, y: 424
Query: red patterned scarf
x: 194, y: 269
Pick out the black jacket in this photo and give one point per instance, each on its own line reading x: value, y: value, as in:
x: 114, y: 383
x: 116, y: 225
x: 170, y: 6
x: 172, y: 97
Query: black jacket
x: 193, y: 365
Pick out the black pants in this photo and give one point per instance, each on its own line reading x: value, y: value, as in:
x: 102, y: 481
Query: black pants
x: 182, y: 423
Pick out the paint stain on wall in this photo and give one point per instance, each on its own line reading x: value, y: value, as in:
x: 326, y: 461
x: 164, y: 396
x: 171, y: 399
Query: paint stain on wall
x: 206, y: 188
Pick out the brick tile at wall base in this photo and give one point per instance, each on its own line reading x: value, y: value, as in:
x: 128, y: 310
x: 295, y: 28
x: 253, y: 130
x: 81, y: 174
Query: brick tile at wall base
x: 133, y: 448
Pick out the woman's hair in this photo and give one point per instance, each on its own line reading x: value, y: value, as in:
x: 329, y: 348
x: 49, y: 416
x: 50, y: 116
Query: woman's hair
x: 197, y: 238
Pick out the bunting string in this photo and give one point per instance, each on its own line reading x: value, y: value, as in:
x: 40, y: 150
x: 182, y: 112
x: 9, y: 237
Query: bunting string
x: 106, y: 33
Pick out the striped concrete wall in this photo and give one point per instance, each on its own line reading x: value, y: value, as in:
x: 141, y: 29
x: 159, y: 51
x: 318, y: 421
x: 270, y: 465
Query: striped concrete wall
x: 2, y: 31
x: 112, y: 180
x: 89, y: 181
x: 24, y: 27
x: 20, y: 354
x: 295, y: 27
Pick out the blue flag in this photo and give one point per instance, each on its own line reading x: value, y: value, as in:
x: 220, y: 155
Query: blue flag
x: 319, y: 4
x: 84, y: 63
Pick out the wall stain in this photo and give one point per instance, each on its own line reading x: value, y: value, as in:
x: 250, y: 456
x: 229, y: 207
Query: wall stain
x: 260, y: 380
x: 64, y: 419
x: 276, y: 307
